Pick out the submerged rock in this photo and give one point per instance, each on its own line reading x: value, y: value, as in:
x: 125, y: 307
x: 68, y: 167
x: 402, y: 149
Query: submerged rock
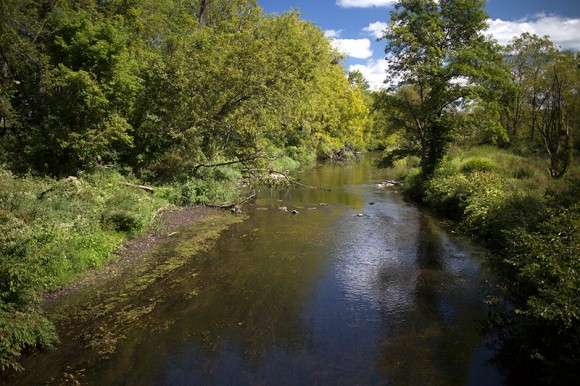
x: 389, y: 184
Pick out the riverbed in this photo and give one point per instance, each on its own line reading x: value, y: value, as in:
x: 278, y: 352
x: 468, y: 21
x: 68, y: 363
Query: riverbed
x: 357, y: 287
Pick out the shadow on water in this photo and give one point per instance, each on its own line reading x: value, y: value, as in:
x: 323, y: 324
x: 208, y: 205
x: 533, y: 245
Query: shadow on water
x: 366, y: 289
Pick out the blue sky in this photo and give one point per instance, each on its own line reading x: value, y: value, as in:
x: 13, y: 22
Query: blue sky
x: 355, y: 24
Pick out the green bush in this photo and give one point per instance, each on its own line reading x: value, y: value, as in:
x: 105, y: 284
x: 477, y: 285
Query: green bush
x: 126, y: 211
x: 449, y: 195
x: 22, y: 329
x: 544, y: 329
x: 52, y: 230
x: 477, y: 165
x: 413, y: 184
x: 492, y: 213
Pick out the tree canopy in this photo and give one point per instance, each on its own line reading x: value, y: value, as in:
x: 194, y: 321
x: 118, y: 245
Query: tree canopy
x: 438, y: 59
x: 159, y: 86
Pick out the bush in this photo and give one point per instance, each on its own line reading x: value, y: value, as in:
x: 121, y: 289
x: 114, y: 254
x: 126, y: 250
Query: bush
x: 492, y: 213
x: 477, y: 165
x: 449, y: 195
x: 413, y: 184
x: 544, y: 330
x: 50, y: 231
x: 22, y: 329
x: 126, y: 212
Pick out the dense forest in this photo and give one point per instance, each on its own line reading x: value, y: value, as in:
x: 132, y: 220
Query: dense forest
x: 192, y: 97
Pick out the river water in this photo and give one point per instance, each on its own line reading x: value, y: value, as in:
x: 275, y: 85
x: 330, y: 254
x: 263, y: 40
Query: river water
x: 366, y: 289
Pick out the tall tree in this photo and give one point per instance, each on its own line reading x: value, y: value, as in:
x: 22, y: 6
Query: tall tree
x: 528, y: 57
x: 438, y: 49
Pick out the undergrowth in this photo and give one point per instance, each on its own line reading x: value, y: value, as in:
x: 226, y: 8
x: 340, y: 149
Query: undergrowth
x: 533, y: 223
x: 52, y: 230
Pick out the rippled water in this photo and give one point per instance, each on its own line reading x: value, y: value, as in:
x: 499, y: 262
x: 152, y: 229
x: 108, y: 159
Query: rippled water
x: 326, y: 296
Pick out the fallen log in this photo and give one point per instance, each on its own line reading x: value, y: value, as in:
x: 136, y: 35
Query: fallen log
x: 144, y: 187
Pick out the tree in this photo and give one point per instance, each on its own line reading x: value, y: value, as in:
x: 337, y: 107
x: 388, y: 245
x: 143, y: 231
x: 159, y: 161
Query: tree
x: 546, y: 83
x: 439, y: 51
x: 528, y: 57
x: 554, y: 125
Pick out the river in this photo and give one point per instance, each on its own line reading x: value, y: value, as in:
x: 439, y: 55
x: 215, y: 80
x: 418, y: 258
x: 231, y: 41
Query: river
x: 365, y: 289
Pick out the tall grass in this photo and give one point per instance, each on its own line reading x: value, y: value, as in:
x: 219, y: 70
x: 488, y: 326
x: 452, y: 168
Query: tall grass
x: 53, y: 230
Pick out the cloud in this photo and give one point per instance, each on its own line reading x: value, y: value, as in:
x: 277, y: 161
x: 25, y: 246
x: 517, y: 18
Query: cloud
x: 357, y: 48
x: 376, y: 29
x: 364, y: 3
x: 374, y: 72
x: 332, y: 33
x: 562, y: 31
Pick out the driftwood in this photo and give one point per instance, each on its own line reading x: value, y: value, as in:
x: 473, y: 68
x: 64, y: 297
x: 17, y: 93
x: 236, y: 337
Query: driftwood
x: 232, y: 206
x: 144, y: 187
x: 288, y: 178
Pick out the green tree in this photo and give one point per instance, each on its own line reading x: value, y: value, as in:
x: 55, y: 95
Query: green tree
x: 555, y: 125
x: 528, y: 57
x: 545, y: 101
x: 439, y: 51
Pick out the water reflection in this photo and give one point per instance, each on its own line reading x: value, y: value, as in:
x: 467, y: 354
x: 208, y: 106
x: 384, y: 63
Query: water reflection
x: 323, y: 297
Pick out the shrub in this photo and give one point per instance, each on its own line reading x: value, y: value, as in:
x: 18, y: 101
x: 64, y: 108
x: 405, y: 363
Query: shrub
x: 22, y: 329
x: 449, y: 195
x: 413, y: 184
x: 544, y: 330
x: 477, y: 165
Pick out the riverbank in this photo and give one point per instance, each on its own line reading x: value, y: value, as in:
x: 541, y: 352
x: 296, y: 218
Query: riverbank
x: 105, y: 308
x: 136, y: 250
x: 54, y: 231
x: 532, y: 223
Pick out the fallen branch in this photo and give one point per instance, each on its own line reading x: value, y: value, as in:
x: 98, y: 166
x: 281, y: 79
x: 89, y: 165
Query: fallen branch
x: 144, y: 187
x: 290, y: 179
x: 231, y: 206
x: 253, y: 157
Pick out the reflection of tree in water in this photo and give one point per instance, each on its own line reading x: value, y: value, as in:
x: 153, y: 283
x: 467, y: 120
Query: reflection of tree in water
x: 431, y: 342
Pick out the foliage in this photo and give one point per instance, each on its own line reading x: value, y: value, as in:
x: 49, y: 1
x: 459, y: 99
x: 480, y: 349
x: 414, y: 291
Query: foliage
x: 477, y: 165
x: 52, y: 230
x: 541, y: 108
x: 532, y: 222
x: 440, y: 54
x: 545, y: 323
x: 22, y: 328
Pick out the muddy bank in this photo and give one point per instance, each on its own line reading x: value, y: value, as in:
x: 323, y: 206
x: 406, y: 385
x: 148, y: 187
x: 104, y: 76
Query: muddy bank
x: 103, y: 308
x: 167, y: 224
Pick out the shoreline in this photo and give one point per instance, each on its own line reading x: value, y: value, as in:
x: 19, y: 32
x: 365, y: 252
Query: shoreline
x: 134, y: 250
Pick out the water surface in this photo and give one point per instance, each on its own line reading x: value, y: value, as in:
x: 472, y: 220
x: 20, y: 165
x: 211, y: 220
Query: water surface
x: 366, y: 289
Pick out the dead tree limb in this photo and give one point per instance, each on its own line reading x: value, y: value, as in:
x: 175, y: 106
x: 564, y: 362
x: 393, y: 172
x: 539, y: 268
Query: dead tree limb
x: 290, y: 179
x: 144, y: 187
x: 231, y: 206
x: 253, y: 157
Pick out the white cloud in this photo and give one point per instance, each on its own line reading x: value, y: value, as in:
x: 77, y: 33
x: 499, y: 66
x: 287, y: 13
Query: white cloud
x: 374, y: 72
x: 332, y: 33
x: 357, y: 48
x: 562, y: 31
x: 364, y: 3
x: 376, y: 29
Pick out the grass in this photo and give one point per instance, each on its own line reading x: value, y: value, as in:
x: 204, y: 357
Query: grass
x: 52, y: 230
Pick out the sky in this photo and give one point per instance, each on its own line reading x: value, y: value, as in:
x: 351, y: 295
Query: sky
x: 355, y: 25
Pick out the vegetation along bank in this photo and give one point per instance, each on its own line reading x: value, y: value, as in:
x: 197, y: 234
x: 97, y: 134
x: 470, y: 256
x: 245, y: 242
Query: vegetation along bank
x: 199, y: 100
